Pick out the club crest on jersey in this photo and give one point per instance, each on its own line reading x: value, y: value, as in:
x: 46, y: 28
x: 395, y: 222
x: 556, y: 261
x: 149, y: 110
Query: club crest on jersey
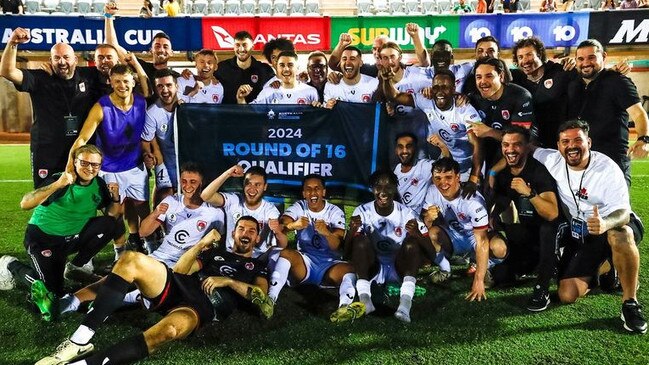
x: 42, y: 173
x: 414, y: 182
x: 398, y: 231
x: 455, y: 127
x: 164, y: 127
x: 201, y: 225
x: 548, y: 83
x: 46, y: 253
x: 461, y: 216
x: 254, y: 78
x: 215, y: 98
x: 366, y: 98
x: 410, y: 91
x: 82, y: 87
x: 505, y: 114
x: 582, y: 194
x: 301, y: 101
x: 249, y: 266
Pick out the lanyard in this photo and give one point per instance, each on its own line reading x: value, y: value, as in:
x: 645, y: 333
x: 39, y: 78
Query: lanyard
x: 581, y: 181
x: 65, y: 96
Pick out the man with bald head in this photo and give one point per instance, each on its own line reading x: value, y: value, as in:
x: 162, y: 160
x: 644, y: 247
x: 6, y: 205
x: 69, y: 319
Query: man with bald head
x: 60, y: 102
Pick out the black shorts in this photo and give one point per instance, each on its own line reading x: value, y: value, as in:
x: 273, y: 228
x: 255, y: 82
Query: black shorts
x: 183, y: 291
x: 47, y: 160
x: 584, y: 259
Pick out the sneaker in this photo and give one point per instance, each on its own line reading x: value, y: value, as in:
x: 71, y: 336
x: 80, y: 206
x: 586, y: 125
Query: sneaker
x: 539, y: 300
x: 439, y: 276
x: 81, y: 274
x: 348, y: 312
x: 402, y: 315
x: 7, y: 281
x: 45, y: 300
x: 632, y: 317
x: 65, y: 352
x: 261, y: 300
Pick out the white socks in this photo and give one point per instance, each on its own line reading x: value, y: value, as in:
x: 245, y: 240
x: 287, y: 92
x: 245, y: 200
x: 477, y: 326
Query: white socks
x: 347, y: 291
x: 82, y: 335
x: 278, y: 278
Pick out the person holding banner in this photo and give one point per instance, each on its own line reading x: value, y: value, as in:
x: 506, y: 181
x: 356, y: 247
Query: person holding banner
x: 242, y: 69
x: 386, y: 241
x: 249, y: 202
x: 204, y: 87
x: 354, y: 87
x: 291, y: 91
x: 320, y: 227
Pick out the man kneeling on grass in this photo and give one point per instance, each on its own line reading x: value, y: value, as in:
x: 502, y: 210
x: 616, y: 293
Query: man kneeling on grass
x: 64, y: 222
x: 192, y: 294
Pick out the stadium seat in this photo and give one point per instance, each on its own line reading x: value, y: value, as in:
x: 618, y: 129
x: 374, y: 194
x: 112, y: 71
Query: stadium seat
x: 280, y: 7
x: 526, y: 5
x: 156, y: 8
x: 578, y: 5
x: 34, y: 7
x: 66, y: 7
x: 364, y: 7
x: 397, y: 7
x: 381, y: 7
x: 312, y: 7
x: 199, y: 8
x: 216, y: 8
x: 428, y: 7
x: 296, y: 7
x: 232, y: 7
x: 444, y: 6
x: 98, y: 6
x: 264, y: 7
x: 50, y: 6
x: 248, y: 7
x: 412, y: 7
x: 84, y: 6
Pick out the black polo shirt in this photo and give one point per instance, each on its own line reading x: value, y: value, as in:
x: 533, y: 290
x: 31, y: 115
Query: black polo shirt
x: 232, y: 76
x: 539, y: 179
x: 53, y: 99
x: 11, y: 6
x: 550, y: 100
x: 603, y: 103
x: 513, y: 108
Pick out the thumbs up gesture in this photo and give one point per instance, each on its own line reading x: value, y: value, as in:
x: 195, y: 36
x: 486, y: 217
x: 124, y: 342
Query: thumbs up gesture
x: 596, y: 224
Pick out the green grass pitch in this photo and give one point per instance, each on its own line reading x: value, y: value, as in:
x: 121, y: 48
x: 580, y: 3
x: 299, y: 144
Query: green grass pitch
x: 445, y: 330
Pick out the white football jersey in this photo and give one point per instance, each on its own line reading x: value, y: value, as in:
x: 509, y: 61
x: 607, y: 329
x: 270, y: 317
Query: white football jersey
x: 159, y: 123
x: 460, y: 215
x: 361, y: 92
x: 309, y: 241
x: 386, y: 233
x: 235, y: 208
x: 209, y: 94
x: 452, y: 126
x: 185, y: 227
x: 414, y: 184
x: 601, y: 183
x: 414, y: 79
x: 461, y: 72
x: 301, y: 94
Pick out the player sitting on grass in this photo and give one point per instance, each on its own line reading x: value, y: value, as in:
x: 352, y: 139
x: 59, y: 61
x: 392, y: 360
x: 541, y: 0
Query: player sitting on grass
x: 320, y: 228
x: 64, y: 222
x: 386, y: 242
x: 207, y: 283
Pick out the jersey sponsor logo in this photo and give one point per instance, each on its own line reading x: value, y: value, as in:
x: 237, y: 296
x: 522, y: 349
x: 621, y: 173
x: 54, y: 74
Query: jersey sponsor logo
x: 455, y: 225
x: 254, y: 78
x: 548, y: 83
x: 46, y: 253
x: 505, y: 114
x: 383, y: 246
x: 201, y: 225
x: 96, y: 199
x: 478, y: 219
x: 228, y: 271
x: 316, y: 241
x: 445, y: 135
x: 410, y: 91
x: 42, y: 173
x: 181, y: 236
x: 366, y: 98
x: 219, y: 258
x: 301, y: 101
x: 407, y: 198
x: 398, y: 231
x: 164, y: 127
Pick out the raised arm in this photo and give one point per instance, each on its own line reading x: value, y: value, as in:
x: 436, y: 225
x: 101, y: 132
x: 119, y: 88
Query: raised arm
x: 344, y: 40
x: 8, y: 67
x: 38, y: 196
x: 420, y: 50
x: 187, y: 263
x: 211, y: 192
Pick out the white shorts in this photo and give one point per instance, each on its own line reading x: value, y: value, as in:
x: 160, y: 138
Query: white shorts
x: 316, y: 268
x: 133, y: 183
x: 387, y: 273
x: 461, y: 244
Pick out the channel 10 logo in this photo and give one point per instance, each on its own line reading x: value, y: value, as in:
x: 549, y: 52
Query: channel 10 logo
x: 476, y: 30
x: 561, y: 32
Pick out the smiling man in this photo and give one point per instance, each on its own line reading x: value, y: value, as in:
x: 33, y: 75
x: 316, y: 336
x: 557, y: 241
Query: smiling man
x: 204, y: 87
x: 354, y: 87
x: 249, y: 202
x: 290, y: 91
x: 64, y: 222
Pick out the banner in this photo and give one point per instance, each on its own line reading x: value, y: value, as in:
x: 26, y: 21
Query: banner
x: 620, y: 27
x: 85, y: 33
x: 344, y: 145
x: 306, y: 33
x: 364, y: 29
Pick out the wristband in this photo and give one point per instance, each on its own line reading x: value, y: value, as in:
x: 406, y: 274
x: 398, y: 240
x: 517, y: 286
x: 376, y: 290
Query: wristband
x: 162, y: 179
x: 493, y: 173
x: 108, y: 15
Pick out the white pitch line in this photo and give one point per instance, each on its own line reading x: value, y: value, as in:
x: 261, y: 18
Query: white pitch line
x: 14, y: 181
